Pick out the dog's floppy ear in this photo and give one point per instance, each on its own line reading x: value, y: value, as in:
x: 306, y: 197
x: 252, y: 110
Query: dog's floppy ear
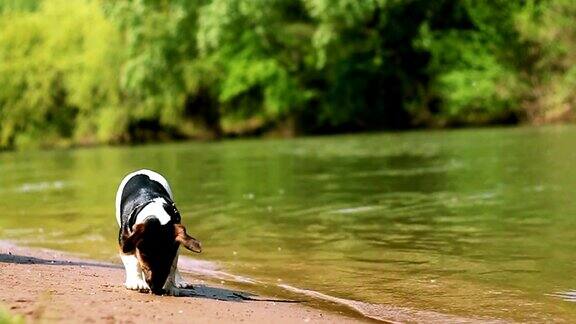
x: 131, y: 240
x: 189, y: 242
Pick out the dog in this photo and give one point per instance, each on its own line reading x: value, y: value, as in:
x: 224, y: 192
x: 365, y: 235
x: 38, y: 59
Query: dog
x: 150, y: 234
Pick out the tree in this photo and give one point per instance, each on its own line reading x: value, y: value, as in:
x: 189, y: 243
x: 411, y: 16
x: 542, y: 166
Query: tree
x: 548, y: 30
x: 58, y: 72
x: 166, y: 86
x: 476, y: 56
x: 262, y: 49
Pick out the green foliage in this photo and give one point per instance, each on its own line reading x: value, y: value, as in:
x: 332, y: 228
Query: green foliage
x: 97, y: 71
x: 548, y: 28
x: 7, y: 318
x: 473, y: 64
x: 261, y: 49
x: 58, y: 70
x: 7, y: 6
x: 160, y: 68
x: 372, y: 72
x: 469, y: 77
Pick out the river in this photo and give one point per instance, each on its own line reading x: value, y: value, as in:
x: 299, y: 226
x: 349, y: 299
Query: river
x: 477, y: 224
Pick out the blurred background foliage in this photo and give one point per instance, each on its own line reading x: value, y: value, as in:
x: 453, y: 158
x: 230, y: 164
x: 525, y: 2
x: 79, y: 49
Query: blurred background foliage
x: 83, y: 72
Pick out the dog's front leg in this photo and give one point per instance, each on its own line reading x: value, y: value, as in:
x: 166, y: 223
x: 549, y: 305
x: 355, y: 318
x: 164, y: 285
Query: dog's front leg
x: 134, y: 276
x: 178, y: 280
x: 175, y: 283
x: 171, y: 287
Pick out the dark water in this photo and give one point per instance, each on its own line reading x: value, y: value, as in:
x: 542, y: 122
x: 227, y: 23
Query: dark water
x: 476, y: 224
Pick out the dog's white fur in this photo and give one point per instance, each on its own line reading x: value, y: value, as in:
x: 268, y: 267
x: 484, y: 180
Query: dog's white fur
x: 152, y: 175
x: 135, y: 279
x: 154, y: 209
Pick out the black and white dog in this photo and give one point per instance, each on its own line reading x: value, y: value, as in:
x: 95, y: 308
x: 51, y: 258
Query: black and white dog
x: 150, y: 233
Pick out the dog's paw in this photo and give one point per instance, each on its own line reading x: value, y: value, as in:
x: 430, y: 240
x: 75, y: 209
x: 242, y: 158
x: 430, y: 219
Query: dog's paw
x: 179, y: 282
x: 183, y: 284
x: 172, y: 291
x: 136, y: 284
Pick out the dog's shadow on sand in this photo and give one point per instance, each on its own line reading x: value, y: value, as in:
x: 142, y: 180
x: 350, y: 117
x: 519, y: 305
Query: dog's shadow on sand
x: 196, y: 291
x: 22, y: 259
x: 204, y: 291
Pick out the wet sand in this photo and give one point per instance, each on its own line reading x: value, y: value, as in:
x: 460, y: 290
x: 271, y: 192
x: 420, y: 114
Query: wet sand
x: 45, y: 285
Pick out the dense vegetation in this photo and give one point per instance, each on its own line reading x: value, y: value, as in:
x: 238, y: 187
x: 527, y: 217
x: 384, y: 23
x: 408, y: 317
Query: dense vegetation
x: 96, y: 71
x: 7, y: 318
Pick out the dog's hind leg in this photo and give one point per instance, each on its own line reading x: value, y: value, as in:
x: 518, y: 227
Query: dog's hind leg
x: 134, y: 278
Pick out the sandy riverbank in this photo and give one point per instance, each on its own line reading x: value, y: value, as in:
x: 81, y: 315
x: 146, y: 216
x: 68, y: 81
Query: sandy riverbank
x: 52, y: 286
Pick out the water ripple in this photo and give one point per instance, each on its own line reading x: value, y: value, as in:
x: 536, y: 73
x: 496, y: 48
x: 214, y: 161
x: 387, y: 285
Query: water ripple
x: 390, y: 313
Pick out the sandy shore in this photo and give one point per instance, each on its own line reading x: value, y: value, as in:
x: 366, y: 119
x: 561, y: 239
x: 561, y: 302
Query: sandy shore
x: 46, y: 285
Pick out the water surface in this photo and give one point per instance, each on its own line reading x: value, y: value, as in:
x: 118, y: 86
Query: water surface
x: 478, y: 224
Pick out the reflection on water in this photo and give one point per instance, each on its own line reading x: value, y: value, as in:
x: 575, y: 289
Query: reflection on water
x: 473, y: 224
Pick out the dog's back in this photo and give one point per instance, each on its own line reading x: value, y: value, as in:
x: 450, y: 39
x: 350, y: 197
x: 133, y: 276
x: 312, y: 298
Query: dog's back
x: 138, y: 188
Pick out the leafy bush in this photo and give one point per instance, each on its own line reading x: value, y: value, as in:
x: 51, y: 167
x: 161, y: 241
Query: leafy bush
x: 97, y: 71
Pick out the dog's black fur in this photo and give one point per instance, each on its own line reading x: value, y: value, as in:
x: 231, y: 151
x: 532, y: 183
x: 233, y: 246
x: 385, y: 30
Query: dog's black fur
x: 138, y: 192
x: 154, y: 244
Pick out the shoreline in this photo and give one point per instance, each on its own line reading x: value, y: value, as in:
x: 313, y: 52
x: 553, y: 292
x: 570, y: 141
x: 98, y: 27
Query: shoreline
x: 48, y: 285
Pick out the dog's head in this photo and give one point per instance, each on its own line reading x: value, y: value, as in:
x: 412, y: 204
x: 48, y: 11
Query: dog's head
x: 155, y: 246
